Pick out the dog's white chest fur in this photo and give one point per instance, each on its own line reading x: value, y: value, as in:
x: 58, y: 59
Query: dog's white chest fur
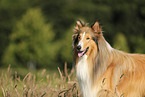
x: 84, y: 77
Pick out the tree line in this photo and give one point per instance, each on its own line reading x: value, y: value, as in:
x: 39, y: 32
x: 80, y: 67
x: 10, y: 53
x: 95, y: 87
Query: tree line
x: 38, y: 34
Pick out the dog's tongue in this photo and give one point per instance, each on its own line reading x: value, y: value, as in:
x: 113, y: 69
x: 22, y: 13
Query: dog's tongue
x: 81, y: 54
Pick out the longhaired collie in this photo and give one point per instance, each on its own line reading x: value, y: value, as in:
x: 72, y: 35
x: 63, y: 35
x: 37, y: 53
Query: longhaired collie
x: 103, y: 71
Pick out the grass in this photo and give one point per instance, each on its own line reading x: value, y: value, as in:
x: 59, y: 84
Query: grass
x: 38, y: 84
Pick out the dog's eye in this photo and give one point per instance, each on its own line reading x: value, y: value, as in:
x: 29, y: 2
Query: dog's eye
x: 87, y: 38
x: 94, y: 39
x: 79, y: 37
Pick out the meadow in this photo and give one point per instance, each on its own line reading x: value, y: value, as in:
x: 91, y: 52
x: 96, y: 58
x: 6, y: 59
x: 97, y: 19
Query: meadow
x: 38, y: 83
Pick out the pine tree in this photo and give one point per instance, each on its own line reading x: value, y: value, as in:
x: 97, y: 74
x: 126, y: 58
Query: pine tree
x: 31, y: 41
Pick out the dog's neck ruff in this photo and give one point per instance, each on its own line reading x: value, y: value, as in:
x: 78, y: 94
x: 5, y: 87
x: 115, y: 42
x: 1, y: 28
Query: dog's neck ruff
x: 84, y: 77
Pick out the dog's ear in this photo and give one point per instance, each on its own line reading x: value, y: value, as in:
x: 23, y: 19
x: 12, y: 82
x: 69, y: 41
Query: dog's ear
x: 79, y: 25
x: 96, y: 28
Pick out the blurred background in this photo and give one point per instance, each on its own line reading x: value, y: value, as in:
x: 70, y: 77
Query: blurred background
x: 38, y: 33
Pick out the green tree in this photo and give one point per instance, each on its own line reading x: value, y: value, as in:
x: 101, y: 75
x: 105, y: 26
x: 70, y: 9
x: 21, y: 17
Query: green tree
x: 31, y: 41
x: 10, y: 12
x: 120, y: 42
x: 66, y: 49
x: 139, y: 44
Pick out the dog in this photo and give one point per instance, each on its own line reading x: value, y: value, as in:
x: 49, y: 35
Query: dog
x: 103, y: 71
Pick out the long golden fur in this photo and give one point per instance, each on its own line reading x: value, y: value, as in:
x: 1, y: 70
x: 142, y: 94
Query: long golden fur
x: 103, y: 71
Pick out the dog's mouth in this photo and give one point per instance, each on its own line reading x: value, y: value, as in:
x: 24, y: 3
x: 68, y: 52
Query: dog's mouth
x: 81, y: 53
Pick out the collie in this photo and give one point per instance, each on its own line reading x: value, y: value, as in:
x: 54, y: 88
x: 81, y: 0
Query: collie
x: 103, y: 71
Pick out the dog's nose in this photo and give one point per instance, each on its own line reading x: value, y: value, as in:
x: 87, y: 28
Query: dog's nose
x: 78, y: 47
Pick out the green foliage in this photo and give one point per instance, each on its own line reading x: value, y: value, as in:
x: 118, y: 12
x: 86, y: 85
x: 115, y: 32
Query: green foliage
x: 31, y: 41
x: 139, y: 43
x: 115, y: 16
x: 120, y: 42
x: 66, y: 50
x: 10, y: 12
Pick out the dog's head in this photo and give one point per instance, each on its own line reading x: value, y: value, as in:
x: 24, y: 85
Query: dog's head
x: 85, y: 38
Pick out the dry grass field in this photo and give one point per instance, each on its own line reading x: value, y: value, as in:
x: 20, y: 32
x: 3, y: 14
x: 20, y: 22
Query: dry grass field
x: 40, y: 84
